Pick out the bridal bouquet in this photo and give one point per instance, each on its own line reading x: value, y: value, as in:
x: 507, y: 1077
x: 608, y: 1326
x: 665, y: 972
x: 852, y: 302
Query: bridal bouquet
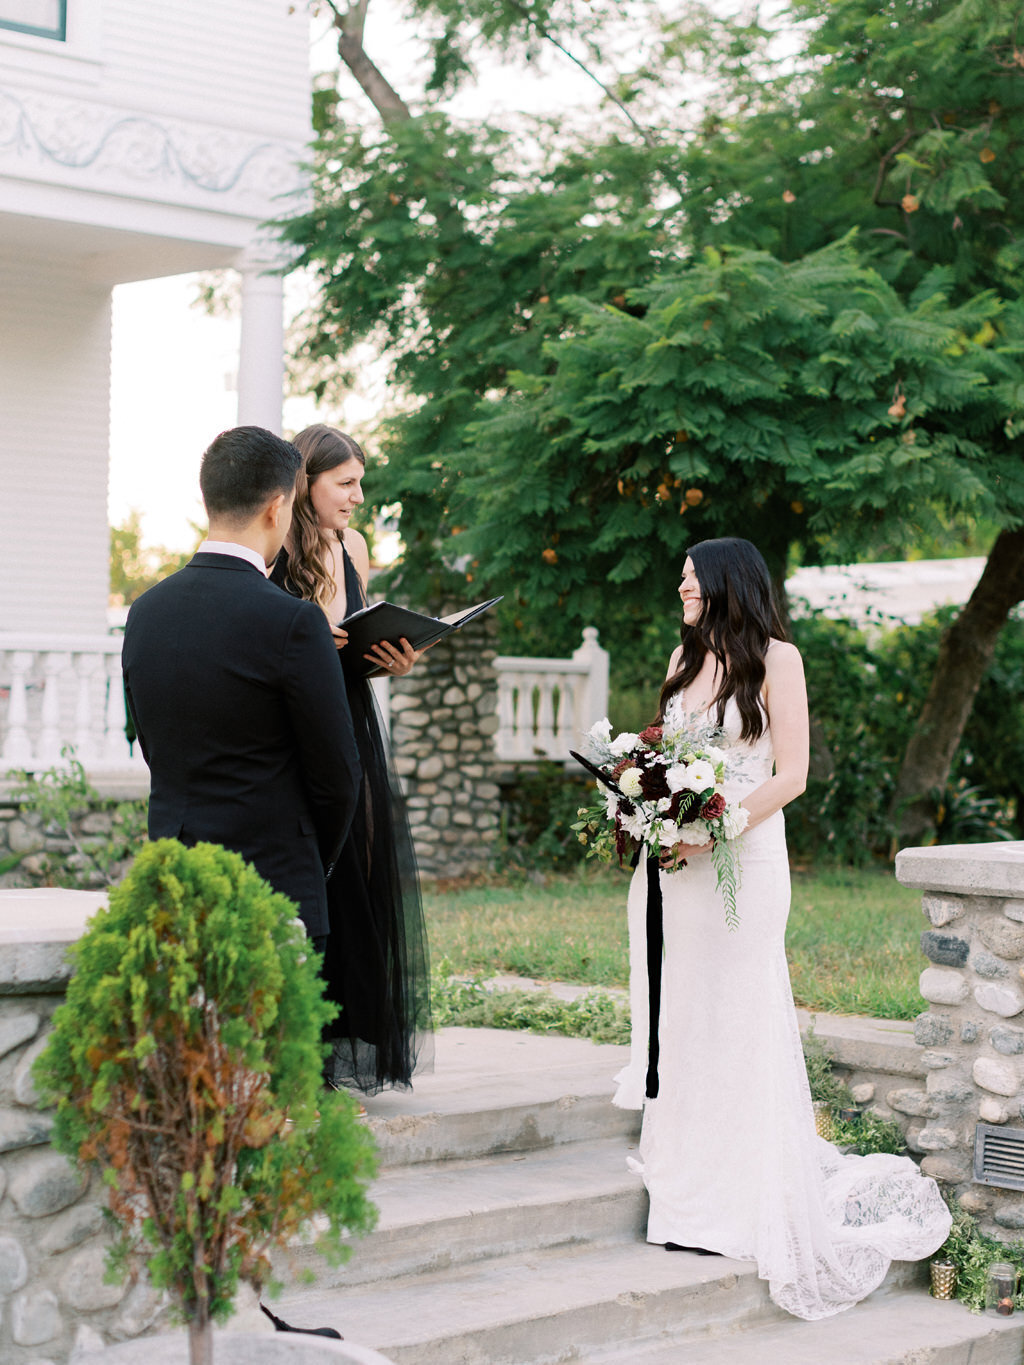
x: 662, y: 789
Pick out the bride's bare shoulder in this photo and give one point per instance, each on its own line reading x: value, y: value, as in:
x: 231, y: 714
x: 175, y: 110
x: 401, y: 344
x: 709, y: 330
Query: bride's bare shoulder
x: 675, y: 661
x: 781, y: 656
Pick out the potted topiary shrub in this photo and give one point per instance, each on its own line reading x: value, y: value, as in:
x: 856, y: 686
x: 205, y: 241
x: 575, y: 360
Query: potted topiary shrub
x: 186, y: 1064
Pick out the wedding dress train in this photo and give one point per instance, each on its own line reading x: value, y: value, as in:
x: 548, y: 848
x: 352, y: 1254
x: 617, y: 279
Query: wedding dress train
x: 728, y: 1152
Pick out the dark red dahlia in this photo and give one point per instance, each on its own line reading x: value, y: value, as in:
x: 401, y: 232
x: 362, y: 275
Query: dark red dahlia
x: 652, y: 735
x: 653, y: 783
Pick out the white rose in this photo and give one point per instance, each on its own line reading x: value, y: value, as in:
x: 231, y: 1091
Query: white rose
x: 676, y: 777
x: 601, y: 731
x: 734, y: 821
x: 693, y: 833
x: 664, y: 803
x: 669, y: 834
x: 629, y: 782
x: 699, y: 776
x: 624, y: 743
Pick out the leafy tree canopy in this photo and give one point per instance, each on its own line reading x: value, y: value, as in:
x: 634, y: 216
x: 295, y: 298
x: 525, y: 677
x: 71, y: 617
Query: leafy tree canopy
x: 572, y: 361
x: 741, y: 395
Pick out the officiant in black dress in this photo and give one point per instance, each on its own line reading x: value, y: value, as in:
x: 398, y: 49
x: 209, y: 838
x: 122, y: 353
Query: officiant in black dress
x: 376, y: 964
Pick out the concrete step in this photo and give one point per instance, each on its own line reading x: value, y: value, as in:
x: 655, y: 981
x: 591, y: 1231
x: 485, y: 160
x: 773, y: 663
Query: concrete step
x: 440, y: 1215
x: 493, y: 1090
x: 549, y: 1306
x: 903, y: 1328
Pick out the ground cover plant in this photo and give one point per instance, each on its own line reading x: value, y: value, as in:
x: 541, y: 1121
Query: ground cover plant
x: 853, y: 938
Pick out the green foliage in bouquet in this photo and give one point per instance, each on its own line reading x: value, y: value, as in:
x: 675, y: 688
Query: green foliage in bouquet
x: 186, y: 1064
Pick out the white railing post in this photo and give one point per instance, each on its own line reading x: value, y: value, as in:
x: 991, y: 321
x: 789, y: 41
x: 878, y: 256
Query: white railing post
x: 84, y: 738
x: 543, y: 731
x: 592, y: 698
x: 50, y: 740
x: 17, y: 751
x: 115, y: 741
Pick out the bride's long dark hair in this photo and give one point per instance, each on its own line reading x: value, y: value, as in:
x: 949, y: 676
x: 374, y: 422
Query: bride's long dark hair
x: 738, y: 619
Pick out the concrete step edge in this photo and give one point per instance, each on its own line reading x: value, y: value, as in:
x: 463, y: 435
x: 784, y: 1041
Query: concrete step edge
x: 436, y: 1216
x: 537, y: 1307
x: 416, y: 1139
x: 904, y: 1327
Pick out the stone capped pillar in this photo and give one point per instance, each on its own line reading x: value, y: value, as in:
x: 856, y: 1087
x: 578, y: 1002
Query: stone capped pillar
x: 972, y: 1030
x: 443, y: 722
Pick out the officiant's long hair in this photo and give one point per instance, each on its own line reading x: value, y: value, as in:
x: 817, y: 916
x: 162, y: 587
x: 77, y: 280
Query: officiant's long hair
x: 322, y: 449
x: 739, y: 617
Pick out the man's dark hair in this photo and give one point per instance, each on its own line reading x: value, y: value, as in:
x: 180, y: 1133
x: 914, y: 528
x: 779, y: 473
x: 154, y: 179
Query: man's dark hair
x: 242, y: 469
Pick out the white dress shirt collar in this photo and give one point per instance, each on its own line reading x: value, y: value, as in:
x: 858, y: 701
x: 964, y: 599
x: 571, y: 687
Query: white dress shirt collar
x: 228, y: 547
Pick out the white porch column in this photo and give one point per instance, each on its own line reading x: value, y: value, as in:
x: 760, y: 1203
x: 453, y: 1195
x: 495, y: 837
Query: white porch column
x: 261, y: 353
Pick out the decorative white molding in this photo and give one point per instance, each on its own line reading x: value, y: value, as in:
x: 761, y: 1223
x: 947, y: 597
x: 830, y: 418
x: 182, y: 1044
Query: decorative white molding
x: 102, y: 147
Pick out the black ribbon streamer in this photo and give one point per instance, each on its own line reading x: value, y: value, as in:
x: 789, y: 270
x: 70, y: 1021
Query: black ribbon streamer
x: 655, y: 943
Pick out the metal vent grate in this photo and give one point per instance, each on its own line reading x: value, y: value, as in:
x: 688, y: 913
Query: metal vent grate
x: 999, y: 1156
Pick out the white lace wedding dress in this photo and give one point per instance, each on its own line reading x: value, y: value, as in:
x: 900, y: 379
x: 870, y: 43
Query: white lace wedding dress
x: 729, y: 1154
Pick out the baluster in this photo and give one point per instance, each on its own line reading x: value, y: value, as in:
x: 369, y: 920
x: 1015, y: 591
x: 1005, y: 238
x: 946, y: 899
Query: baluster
x: 565, y: 730
x: 505, y: 739
x: 545, y: 741
x: 85, y: 737
x: 17, y: 750
x: 51, y: 739
x: 529, y: 697
x: 115, y: 742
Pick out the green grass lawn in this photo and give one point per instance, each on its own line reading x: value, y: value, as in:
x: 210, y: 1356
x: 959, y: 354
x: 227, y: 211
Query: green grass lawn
x: 853, y: 936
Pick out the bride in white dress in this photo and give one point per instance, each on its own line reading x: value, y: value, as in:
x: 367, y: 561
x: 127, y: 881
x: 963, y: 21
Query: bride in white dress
x: 728, y: 1153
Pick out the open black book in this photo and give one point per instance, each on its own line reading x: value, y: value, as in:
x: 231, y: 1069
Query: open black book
x: 386, y: 621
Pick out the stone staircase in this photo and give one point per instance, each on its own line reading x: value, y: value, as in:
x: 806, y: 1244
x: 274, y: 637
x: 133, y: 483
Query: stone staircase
x: 511, y: 1233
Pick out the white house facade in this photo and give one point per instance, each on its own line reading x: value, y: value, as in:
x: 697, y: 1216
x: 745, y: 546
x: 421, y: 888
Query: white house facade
x: 137, y: 140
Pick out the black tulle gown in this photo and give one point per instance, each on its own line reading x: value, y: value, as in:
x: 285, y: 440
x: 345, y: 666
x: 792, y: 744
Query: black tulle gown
x: 376, y: 965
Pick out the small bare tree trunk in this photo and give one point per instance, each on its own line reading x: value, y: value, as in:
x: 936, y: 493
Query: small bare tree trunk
x: 965, y: 653
x: 200, y: 1341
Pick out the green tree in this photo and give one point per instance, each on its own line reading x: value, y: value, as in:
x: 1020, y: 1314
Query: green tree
x: 186, y: 1064
x: 134, y: 567
x: 901, y: 119
x: 472, y: 258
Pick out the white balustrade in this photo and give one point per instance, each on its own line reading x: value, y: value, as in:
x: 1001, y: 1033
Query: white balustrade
x: 546, y: 705
x: 65, y: 690
x: 58, y: 691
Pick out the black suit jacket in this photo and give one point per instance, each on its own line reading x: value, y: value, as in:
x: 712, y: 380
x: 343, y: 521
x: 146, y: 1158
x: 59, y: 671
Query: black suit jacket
x: 241, y: 712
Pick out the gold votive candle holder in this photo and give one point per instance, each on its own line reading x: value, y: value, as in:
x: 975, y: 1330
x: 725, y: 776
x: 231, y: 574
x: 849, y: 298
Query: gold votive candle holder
x: 824, y: 1124
x: 943, y: 1275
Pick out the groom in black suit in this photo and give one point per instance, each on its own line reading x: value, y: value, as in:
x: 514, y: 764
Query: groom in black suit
x: 236, y: 692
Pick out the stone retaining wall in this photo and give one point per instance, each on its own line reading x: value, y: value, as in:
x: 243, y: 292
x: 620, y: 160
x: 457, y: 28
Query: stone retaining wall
x: 972, y: 1033
x: 443, y: 720
x: 53, y: 1242
x: 36, y: 854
